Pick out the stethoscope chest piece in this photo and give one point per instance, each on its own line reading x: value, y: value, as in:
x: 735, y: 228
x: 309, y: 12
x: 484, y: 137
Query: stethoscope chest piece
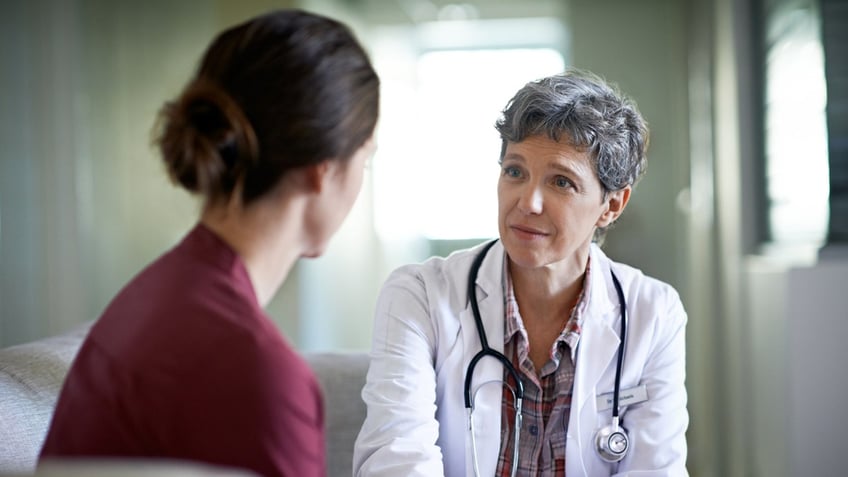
x: 611, y: 443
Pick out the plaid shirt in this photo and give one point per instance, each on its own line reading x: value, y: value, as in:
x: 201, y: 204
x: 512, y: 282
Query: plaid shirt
x: 547, y: 396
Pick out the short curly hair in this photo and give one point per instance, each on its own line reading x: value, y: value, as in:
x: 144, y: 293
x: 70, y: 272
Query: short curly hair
x: 594, y: 117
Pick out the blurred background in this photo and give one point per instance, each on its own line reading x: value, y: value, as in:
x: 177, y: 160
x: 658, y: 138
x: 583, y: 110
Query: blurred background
x: 744, y: 208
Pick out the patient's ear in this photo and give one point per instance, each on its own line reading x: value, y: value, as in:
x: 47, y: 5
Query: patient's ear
x: 614, y: 204
x: 316, y: 176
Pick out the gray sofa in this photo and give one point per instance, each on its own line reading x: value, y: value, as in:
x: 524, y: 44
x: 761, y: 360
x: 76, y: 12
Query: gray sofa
x: 31, y: 376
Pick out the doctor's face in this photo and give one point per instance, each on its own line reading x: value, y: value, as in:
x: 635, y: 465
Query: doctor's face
x: 549, y: 202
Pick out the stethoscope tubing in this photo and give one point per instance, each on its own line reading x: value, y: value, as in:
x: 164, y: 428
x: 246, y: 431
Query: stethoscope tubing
x: 616, y: 390
x: 486, y: 350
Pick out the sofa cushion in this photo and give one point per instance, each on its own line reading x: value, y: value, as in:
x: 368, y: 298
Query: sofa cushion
x: 134, y: 468
x: 342, y: 376
x: 31, y: 376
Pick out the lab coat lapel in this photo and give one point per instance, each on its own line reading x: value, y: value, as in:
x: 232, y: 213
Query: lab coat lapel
x: 596, y: 353
x: 486, y: 383
x: 598, y: 346
x: 598, y: 341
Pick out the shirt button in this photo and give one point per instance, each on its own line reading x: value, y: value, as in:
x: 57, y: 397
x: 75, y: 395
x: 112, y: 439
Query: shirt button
x: 534, y: 430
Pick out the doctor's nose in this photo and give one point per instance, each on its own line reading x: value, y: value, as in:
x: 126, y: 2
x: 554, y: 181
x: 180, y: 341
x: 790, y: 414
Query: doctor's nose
x: 530, y: 201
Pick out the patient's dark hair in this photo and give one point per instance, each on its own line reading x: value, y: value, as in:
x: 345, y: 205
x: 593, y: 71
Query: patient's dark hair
x: 281, y: 91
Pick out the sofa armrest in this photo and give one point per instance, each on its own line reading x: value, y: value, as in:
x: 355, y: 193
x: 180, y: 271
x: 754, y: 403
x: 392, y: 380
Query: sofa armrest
x: 342, y: 376
x: 31, y: 376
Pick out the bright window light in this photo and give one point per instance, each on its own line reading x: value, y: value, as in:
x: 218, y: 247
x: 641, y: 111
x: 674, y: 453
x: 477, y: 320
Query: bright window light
x: 796, y: 133
x: 436, y: 169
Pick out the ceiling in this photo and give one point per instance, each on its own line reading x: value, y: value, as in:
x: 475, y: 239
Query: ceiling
x: 418, y: 11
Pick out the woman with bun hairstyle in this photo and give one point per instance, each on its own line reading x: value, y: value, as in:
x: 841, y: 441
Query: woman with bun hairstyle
x: 273, y: 134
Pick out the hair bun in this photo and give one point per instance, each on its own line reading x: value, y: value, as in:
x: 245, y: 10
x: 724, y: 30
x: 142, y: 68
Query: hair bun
x: 205, y: 140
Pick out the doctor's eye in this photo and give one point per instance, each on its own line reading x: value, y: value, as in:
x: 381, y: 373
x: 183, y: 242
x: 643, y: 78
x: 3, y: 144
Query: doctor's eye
x: 561, y: 182
x: 512, y: 172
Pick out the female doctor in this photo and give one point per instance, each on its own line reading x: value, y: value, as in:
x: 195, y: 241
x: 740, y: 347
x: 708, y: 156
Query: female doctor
x: 535, y: 354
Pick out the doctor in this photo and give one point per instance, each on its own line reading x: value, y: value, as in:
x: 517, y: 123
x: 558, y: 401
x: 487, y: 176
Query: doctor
x: 597, y: 346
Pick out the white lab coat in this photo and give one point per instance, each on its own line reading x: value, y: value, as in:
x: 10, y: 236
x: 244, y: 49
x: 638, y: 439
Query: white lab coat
x: 425, y: 336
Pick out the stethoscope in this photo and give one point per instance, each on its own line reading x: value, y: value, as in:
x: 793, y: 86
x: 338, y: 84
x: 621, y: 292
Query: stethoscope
x: 611, y: 442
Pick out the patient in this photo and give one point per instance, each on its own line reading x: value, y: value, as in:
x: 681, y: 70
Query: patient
x: 273, y: 133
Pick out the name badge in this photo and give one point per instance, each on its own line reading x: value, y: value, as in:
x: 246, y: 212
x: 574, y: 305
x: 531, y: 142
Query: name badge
x: 626, y: 397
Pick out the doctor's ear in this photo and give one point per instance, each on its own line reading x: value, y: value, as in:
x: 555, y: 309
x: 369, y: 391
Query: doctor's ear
x: 614, y: 204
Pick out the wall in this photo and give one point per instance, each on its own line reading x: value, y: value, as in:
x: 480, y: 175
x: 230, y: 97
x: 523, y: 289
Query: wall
x: 652, y: 234
x: 798, y: 313
x: 91, y: 76
x: 779, y: 316
x: 660, y: 53
x: 641, y: 46
x: 817, y: 325
x: 84, y: 202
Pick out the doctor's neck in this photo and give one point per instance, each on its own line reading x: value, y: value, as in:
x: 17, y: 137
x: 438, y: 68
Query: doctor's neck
x: 550, y: 290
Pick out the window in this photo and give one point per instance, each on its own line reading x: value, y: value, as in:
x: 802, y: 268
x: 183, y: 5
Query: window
x: 444, y: 86
x: 797, y: 182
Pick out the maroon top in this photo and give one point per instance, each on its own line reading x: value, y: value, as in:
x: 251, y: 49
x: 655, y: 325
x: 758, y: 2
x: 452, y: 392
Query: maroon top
x: 185, y: 364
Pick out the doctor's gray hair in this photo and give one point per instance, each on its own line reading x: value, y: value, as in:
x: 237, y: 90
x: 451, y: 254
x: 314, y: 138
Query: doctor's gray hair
x: 592, y: 115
